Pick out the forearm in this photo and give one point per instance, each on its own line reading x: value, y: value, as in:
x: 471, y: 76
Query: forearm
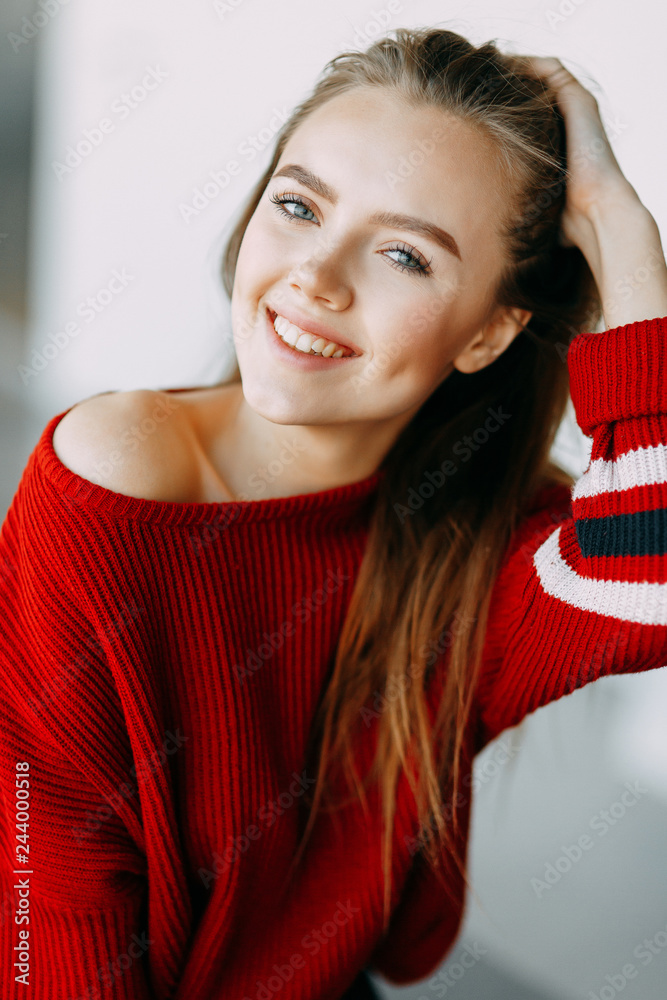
x: 624, y: 251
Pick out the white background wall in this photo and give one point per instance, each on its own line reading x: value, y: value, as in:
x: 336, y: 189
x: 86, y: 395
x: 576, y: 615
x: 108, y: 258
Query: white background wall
x: 229, y: 69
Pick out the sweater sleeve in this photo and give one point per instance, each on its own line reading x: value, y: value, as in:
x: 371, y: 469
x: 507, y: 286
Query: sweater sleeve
x: 73, y: 916
x: 582, y: 590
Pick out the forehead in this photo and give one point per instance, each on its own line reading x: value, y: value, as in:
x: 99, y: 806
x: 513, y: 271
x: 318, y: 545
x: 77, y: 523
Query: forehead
x: 372, y: 146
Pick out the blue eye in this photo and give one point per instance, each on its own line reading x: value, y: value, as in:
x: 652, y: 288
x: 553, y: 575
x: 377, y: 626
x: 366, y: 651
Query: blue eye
x: 284, y: 199
x: 420, y: 266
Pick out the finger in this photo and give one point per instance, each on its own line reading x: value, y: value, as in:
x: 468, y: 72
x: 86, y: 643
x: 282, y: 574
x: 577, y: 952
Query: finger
x: 556, y: 75
x: 549, y: 66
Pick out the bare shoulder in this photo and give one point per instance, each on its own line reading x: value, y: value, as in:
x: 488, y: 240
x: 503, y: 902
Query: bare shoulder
x: 136, y: 442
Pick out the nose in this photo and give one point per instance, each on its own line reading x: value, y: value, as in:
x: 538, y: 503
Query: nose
x: 321, y: 257
x: 319, y: 275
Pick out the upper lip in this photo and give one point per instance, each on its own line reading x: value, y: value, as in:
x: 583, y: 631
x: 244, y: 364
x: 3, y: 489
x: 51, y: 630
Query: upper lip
x: 309, y: 325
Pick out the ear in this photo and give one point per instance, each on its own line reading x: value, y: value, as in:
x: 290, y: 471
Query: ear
x: 492, y: 339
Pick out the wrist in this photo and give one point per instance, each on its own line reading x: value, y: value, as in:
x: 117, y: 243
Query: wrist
x: 616, y: 208
x: 628, y: 261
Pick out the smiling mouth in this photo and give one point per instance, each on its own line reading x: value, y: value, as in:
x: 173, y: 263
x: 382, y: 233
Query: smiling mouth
x: 307, y: 343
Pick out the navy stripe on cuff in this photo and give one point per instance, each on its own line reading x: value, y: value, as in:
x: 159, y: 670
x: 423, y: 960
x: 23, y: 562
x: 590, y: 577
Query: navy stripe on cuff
x: 640, y: 534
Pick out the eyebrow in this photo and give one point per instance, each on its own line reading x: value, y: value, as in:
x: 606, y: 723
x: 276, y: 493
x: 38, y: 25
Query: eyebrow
x: 397, y: 219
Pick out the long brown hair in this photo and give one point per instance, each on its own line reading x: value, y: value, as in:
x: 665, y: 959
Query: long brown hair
x: 427, y: 568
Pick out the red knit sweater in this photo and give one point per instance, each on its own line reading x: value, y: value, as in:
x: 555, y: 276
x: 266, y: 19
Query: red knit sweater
x: 161, y: 664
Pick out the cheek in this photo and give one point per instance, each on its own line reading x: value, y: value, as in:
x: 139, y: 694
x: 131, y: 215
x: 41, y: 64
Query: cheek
x: 250, y: 257
x: 420, y: 339
x: 411, y: 359
x: 259, y: 250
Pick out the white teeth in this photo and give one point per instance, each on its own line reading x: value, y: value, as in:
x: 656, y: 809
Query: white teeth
x: 290, y: 336
x: 306, y: 342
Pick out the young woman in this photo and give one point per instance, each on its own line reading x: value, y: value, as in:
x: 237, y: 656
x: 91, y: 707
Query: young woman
x: 253, y: 634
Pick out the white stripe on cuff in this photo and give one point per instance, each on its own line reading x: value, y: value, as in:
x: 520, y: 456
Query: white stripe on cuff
x: 645, y: 603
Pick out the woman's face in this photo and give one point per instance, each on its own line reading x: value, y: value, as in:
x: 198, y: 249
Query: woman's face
x: 410, y: 302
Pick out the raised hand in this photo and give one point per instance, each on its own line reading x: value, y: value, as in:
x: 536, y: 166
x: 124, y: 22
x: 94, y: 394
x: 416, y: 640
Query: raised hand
x: 603, y: 214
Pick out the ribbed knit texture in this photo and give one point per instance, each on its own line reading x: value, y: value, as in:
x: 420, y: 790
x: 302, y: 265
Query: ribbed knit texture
x: 162, y: 662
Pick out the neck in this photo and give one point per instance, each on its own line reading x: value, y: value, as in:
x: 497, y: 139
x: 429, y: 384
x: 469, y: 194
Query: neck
x: 260, y: 459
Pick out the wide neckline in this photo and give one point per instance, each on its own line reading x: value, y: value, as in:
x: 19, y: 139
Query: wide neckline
x: 84, y: 493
